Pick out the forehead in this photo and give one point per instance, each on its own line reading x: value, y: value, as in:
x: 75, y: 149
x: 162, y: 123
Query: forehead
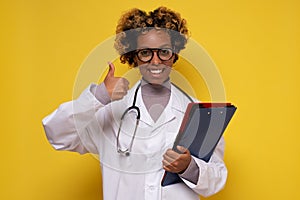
x: 154, y: 39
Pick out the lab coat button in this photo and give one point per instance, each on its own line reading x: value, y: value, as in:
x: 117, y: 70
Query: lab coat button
x: 151, y: 187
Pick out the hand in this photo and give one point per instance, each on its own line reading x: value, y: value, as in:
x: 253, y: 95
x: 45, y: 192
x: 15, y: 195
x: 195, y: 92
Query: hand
x: 175, y: 162
x: 117, y: 87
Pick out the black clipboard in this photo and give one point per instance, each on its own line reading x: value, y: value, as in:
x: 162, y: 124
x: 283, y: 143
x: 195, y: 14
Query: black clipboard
x: 201, y: 129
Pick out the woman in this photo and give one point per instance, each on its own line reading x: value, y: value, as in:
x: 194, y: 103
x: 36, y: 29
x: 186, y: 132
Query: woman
x: 135, y: 146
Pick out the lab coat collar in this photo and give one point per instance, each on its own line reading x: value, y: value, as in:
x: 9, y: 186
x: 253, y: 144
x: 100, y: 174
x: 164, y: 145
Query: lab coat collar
x: 174, y: 104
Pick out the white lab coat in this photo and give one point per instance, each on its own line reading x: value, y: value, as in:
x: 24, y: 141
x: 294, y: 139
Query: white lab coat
x: 85, y: 125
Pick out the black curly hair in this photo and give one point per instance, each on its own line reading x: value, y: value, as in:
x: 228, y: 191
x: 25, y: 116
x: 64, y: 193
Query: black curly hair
x: 136, y: 21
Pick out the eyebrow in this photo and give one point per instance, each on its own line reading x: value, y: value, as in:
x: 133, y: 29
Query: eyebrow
x: 160, y: 47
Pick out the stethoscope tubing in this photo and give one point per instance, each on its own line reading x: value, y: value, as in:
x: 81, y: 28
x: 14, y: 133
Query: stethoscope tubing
x: 127, y: 151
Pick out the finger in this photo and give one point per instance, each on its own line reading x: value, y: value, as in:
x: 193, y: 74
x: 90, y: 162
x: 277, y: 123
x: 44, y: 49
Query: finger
x: 111, y: 70
x: 166, y: 163
x: 120, y: 93
x: 172, y: 154
x: 124, y: 82
x: 168, y: 158
x: 182, y: 149
x: 122, y: 85
x: 168, y: 168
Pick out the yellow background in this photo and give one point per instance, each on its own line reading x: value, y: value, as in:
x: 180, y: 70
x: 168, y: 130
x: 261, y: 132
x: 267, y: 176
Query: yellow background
x: 255, y: 45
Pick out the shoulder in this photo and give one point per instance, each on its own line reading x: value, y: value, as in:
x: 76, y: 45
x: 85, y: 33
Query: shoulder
x: 179, y: 92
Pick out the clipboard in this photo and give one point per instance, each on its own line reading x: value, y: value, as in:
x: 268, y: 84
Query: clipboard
x: 201, y: 129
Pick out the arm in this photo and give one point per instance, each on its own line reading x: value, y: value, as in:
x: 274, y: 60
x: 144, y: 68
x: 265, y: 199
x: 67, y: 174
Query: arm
x: 62, y: 125
x: 72, y: 122
x: 212, y: 175
x: 204, y: 178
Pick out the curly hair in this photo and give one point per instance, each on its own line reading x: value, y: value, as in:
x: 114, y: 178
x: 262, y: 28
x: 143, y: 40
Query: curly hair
x: 136, y: 21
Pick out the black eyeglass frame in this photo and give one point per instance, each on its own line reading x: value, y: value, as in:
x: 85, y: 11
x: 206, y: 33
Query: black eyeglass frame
x: 157, y: 50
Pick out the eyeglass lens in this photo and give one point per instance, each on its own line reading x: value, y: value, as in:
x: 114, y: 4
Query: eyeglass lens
x: 145, y: 55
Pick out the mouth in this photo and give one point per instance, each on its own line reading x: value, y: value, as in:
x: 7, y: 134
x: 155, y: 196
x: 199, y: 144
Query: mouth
x: 156, y: 71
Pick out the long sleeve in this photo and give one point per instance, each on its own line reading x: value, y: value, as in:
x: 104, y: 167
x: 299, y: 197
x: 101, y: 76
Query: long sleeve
x: 192, y: 172
x: 62, y: 127
x: 212, y: 175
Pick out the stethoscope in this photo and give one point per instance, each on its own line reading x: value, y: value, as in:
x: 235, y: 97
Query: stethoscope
x: 133, y: 107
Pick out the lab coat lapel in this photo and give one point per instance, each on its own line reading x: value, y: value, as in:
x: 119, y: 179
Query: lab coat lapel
x: 167, y: 115
x: 177, y: 105
x: 174, y: 104
x: 145, y: 116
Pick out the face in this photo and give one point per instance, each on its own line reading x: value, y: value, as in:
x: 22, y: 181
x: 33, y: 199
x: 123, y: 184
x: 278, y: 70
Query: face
x: 155, y: 71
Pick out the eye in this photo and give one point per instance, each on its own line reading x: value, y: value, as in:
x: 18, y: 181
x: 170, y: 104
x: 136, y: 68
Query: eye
x: 165, y: 52
x: 145, y: 53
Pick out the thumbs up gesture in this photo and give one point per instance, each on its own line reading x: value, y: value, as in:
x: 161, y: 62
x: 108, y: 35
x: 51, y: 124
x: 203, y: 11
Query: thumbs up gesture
x: 117, y: 87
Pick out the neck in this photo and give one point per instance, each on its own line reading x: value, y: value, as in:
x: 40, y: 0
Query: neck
x: 157, y: 87
x: 155, y: 97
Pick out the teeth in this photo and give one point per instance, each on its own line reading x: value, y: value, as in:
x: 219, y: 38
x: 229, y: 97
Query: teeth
x: 156, y: 71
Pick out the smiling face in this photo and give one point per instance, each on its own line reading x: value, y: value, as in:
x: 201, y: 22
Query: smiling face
x: 155, y: 71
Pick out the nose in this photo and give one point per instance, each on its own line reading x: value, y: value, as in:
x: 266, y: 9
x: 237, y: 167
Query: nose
x: 155, y: 59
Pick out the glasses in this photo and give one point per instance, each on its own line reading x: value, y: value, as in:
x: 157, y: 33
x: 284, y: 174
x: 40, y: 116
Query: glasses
x: 146, y: 55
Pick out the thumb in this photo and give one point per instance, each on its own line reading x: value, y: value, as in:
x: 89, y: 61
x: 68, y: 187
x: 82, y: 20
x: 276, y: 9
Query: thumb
x: 111, y: 70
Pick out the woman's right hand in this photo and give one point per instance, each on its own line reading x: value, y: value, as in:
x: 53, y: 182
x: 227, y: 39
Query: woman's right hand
x: 117, y: 87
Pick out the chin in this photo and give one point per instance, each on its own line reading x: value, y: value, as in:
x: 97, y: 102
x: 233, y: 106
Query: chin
x: 156, y: 82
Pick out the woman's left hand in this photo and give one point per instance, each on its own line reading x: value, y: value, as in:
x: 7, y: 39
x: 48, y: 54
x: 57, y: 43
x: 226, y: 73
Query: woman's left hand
x: 176, y: 162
